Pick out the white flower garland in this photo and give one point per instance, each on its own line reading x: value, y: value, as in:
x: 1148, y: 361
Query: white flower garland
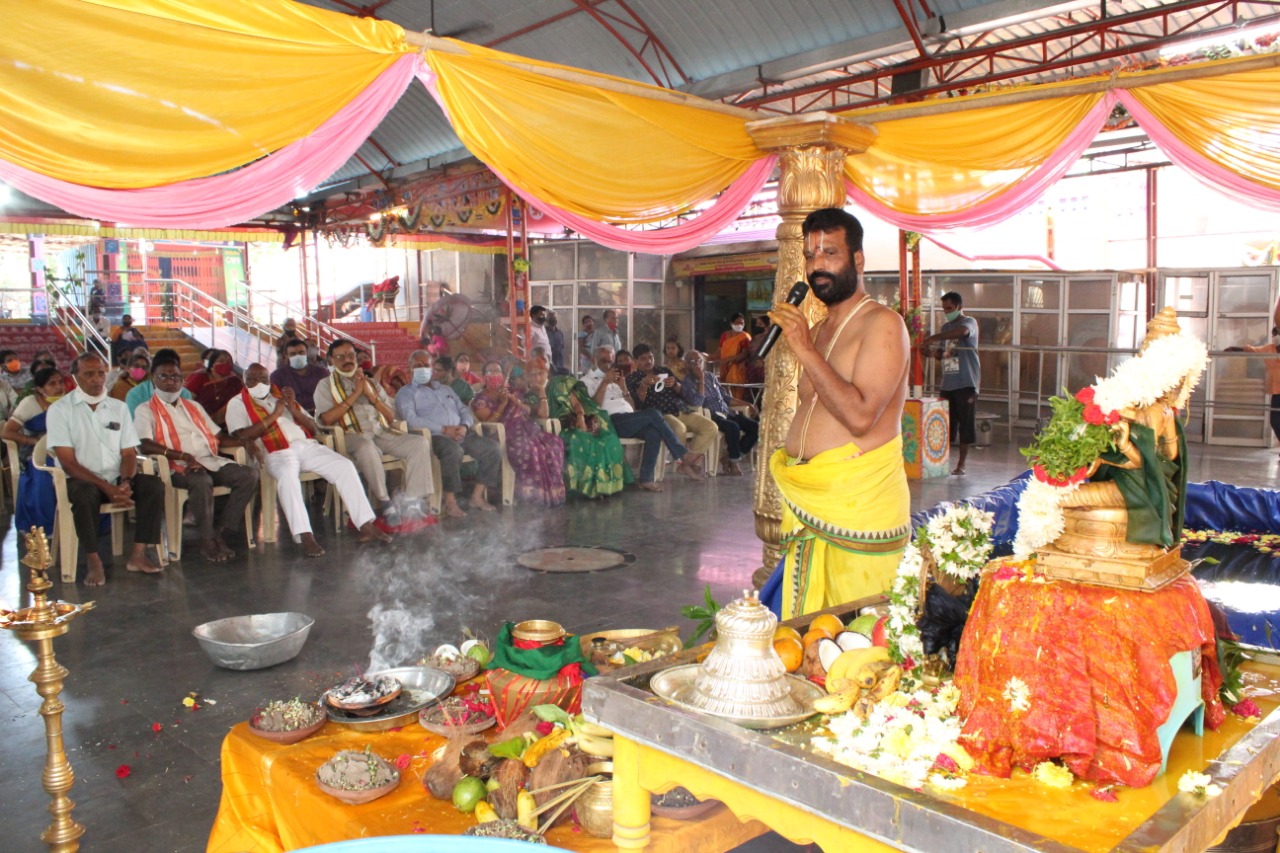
x: 959, y: 540
x: 1138, y: 382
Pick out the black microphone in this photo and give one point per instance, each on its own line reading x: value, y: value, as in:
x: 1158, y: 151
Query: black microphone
x: 799, y: 291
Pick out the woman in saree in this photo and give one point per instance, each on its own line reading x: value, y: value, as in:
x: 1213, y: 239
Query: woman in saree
x: 36, y: 501
x: 536, y: 456
x: 733, y: 353
x: 594, y: 463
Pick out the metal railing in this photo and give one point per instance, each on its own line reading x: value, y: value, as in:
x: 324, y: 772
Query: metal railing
x: 71, y: 319
x: 319, y: 332
x: 16, y: 304
x: 209, y: 321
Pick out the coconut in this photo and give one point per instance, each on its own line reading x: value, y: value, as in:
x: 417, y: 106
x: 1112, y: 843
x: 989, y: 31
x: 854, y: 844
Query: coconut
x: 828, y: 651
x: 510, y: 775
x: 476, y: 760
x: 443, y: 775
x: 556, y: 767
x: 847, y: 640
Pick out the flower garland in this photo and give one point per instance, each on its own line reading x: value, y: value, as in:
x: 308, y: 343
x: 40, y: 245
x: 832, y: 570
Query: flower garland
x: 1165, y: 363
x: 959, y: 541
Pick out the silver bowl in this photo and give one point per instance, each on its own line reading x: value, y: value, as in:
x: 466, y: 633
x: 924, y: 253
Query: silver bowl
x: 254, y: 642
x: 422, y: 687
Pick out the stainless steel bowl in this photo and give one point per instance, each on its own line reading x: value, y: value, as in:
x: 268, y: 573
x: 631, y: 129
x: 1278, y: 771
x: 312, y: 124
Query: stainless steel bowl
x: 256, y: 641
x: 422, y: 687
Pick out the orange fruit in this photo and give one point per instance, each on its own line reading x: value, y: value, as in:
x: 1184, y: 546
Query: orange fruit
x: 828, y: 622
x: 786, y: 631
x: 791, y: 652
x: 813, y: 635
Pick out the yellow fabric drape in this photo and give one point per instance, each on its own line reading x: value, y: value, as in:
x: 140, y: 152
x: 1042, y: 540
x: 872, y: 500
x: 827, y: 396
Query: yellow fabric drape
x: 138, y: 93
x: 953, y: 161
x: 1233, y: 120
x: 598, y: 153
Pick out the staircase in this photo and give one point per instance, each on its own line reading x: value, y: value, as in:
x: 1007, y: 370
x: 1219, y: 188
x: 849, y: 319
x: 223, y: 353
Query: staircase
x: 160, y: 337
x: 393, y: 342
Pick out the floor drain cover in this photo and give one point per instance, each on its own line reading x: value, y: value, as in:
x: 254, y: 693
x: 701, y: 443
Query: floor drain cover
x: 572, y: 559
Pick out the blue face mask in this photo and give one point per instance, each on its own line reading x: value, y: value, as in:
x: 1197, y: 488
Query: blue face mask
x: 952, y: 316
x: 421, y: 375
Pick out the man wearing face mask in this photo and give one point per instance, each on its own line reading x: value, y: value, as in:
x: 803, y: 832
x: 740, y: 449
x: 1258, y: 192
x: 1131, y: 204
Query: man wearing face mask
x: 429, y: 404
x: 183, y: 433
x: 278, y: 424
x: 8, y: 393
x: 606, y: 335
x: 299, y: 374
x: 351, y: 400
x: 845, y: 504
x: 132, y: 374
x: 556, y: 336
x: 15, y: 377
x: 140, y: 394
x: 1272, y: 366
x: 93, y: 437
x: 960, y: 372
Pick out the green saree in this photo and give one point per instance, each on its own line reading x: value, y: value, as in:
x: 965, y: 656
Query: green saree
x: 594, y: 465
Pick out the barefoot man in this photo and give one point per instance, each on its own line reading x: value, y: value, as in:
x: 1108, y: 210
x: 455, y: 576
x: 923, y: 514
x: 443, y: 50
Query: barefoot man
x: 93, y: 437
x: 846, y: 509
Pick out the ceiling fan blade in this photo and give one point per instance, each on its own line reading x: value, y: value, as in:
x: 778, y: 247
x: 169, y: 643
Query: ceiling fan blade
x: 468, y: 31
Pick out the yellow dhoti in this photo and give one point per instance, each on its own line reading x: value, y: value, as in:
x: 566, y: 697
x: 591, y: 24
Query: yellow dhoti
x: 846, y: 518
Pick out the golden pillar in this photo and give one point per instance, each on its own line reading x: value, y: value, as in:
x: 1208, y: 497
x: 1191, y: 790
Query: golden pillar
x: 812, y: 150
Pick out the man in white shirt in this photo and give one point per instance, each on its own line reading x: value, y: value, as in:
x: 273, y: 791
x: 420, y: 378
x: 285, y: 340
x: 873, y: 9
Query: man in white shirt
x: 360, y: 406
x: 93, y: 437
x: 183, y: 433
x: 538, y: 336
x: 608, y: 387
x: 277, y: 423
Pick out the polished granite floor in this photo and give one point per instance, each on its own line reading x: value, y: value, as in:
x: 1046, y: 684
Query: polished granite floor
x: 133, y: 660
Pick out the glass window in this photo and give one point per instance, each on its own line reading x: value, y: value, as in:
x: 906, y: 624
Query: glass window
x: 1089, y: 294
x: 646, y: 293
x: 1189, y: 294
x: 1241, y: 294
x: 1040, y: 293
x: 548, y: 261
x: 678, y: 292
x: 562, y: 295
x: 1088, y: 331
x: 539, y: 294
x: 599, y: 262
x: 649, y: 266
x: 977, y: 292
x: 611, y: 293
x: 1238, y: 331
x: 1038, y: 330
x: 680, y: 324
x: 883, y: 289
x: 648, y: 329
x: 1133, y: 294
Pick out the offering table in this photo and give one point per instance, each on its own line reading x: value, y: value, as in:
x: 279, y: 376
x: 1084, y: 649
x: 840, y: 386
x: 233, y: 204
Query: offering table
x: 807, y: 797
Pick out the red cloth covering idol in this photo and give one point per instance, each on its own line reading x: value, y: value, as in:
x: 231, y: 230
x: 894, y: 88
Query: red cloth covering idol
x: 1095, y: 673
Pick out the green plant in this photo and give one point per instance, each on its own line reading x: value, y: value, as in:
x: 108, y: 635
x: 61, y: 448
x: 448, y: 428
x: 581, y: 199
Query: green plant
x: 1068, y: 444
x: 705, y: 616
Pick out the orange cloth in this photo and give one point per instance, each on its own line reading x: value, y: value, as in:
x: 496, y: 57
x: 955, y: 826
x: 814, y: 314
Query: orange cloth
x: 1272, y: 366
x: 1095, y: 662
x: 270, y: 802
x: 731, y: 344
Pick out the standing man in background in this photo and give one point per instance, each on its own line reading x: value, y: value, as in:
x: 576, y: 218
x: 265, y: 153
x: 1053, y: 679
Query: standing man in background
x: 1272, y: 366
x: 961, y: 372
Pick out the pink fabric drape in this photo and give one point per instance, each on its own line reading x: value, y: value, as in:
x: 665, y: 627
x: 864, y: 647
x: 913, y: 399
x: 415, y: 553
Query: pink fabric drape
x: 1016, y: 198
x: 233, y: 197
x: 662, y: 241
x: 1203, y: 169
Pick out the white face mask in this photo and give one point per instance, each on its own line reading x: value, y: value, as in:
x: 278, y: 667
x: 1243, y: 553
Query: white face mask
x: 738, y: 327
x: 261, y: 391
x: 345, y: 374
x: 92, y: 401
x: 421, y: 375
x: 169, y: 397
x: 297, y: 362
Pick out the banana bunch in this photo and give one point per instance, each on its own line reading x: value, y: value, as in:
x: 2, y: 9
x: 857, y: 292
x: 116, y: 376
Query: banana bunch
x: 857, y: 680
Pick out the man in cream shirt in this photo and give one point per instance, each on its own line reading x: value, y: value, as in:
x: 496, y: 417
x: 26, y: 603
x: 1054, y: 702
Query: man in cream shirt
x: 277, y: 424
x: 182, y: 432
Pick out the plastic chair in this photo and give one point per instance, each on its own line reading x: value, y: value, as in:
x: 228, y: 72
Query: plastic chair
x: 175, y: 501
x: 65, y: 539
x: 508, y: 473
x: 267, y: 497
x: 1187, y: 705
x: 11, y: 468
x: 389, y: 463
x: 718, y: 449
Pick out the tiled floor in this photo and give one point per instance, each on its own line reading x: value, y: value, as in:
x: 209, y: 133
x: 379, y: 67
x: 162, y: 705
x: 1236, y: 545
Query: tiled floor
x: 133, y: 660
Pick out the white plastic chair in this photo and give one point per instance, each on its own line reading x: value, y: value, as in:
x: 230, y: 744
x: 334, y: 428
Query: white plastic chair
x: 65, y: 539
x: 338, y: 435
x: 508, y: 473
x: 11, y: 467
x: 175, y: 501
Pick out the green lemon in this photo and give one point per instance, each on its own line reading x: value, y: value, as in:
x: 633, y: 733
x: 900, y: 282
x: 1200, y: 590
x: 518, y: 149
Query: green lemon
x: 468, y: 792
x: 479, y: 653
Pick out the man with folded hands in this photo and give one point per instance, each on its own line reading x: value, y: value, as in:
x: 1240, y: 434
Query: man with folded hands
x: 285, y: 432
x: 183, y: 433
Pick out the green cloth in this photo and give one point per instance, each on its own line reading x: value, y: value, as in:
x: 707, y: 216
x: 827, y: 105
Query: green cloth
x: 463, y: 390
x: 594, y: 464
x: 538, y: 664
x: 1155, y: 494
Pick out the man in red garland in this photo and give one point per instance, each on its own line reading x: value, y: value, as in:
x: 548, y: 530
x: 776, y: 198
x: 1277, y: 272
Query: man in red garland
x: 182, y: 432
x: 285, y: 431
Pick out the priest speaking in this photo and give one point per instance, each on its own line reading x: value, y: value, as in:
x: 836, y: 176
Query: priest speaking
x: 846, y: 508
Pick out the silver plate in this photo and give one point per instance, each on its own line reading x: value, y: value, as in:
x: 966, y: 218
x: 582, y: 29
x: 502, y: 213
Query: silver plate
x: 676, y: 686
x: 422, y: 687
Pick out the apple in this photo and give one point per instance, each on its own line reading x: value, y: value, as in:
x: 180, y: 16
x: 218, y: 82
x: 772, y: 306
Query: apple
x: 863, y: 624
x: 880, y: 633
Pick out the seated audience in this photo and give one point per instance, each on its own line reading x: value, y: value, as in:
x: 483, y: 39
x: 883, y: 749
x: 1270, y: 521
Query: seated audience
x: 183, y: 433
x: 14, y: 374
x: 141, y: 393
x: 462, y: 369
x: 93, y: 437
x: 216, y: 384
x: 427, y: 403
x: 595, y: 465
x: 350, y: 400
x: 702, y: 389
x: 445, y: 373
x: 608, y: 386
x: 673, y: 357
x: 299, y: 373
x: 126, y: 340
x: 36, y: 500
x: 43, y: 358
x: 659, y: 389
x: 276, y: 420
x: 536, y: 456
x: 133, y: 372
